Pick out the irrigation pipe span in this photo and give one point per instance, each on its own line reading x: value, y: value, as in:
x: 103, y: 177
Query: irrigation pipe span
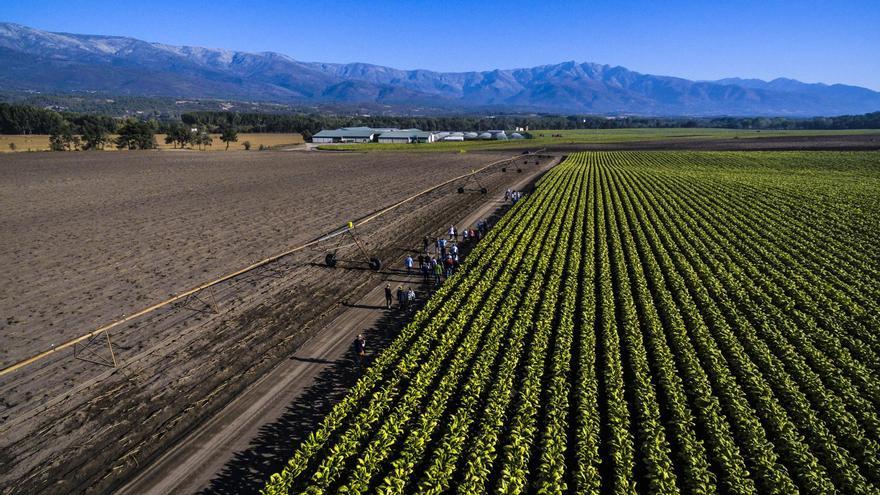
x: 363, y: 220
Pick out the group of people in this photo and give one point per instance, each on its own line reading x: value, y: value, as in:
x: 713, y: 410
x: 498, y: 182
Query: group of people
x: 512, y: 196
x: 446, y: 259
x: 467, y: 234
x: 405, y: 297
x: 442, y: 243
x: 433, y: 269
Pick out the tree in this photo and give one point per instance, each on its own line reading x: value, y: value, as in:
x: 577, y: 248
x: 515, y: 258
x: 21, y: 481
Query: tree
x: 136, y: 135
x: 93, y: 129
x: 228, y: 134
x: 93, y: 137
x: 56, y: 142
x: 12, y: 146
x: 246, y: 144
x: 27, y: 119
x: 201, y: 138
x: 189, y: 119
x: 205, y: 139
x: 61, y: 138
x: 178, y: 134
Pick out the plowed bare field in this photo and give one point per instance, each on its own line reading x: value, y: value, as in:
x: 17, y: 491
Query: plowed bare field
x: 89, y: 237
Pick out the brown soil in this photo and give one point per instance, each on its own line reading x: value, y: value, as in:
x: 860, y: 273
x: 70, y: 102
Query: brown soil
x: 236, y: 450
x: 89, y: 237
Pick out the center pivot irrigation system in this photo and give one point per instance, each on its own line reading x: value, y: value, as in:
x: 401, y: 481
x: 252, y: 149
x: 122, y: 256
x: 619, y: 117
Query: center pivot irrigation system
x: 331, y: 258
x: 92, y: 337
x: 472, y: 178
x: 525, y: 162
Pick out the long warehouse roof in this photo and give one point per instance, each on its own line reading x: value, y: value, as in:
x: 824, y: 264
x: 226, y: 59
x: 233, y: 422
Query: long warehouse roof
x: 364, y: 132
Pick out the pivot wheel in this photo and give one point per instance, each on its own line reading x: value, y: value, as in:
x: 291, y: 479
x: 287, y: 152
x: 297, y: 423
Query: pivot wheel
x: 375, y: 264
x: 460, y: 190
x: 483, y: 190
x: 330, y: 260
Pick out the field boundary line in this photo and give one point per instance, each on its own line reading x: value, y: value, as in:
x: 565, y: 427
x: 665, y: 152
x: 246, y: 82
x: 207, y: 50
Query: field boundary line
x: 361, y: 221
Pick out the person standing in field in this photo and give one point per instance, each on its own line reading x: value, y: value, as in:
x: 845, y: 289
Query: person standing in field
x: 408, y: 263
x: 400, y: 296
x: 411, y: 297
x: 388, y: 296
x: 438, y: 271
x: 360, y: 350
x: 426, y: 270
x: 426, y: 242
x: 449, y: 265
x: 452, y: 233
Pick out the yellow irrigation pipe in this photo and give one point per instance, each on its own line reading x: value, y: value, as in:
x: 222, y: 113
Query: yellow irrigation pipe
x: 69, y: 343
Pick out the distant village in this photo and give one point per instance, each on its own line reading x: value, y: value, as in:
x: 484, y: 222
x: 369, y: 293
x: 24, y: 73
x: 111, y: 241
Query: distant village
x: 393, y: 135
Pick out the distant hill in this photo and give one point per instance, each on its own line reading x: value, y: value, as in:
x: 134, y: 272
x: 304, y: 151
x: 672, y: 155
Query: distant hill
x: 34, y: 60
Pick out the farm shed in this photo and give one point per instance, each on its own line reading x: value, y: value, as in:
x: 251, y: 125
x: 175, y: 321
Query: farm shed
x: 347, y: 135
x: 406, y: 136
x: 424, y: 137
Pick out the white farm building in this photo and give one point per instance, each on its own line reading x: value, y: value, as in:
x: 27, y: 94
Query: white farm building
x: 403, y: 136
x: 407, y: 136
x: 348, y: 135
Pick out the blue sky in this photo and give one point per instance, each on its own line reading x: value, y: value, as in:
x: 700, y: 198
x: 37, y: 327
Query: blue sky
x: 814, y: 41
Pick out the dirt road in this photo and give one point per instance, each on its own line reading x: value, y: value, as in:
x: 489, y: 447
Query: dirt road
x: 220, y: 456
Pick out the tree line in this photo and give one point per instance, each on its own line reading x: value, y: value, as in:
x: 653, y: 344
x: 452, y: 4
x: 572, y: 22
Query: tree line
x: 308, y: 124
x: 71, y: 131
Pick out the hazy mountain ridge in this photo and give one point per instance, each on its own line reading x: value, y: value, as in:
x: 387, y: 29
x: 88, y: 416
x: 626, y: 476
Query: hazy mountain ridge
x: 35, y: 60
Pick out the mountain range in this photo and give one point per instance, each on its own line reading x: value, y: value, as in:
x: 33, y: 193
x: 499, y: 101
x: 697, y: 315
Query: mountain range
x: 39, y: 61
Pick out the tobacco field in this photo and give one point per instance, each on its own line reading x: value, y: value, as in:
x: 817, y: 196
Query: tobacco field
x: 651, y: 322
